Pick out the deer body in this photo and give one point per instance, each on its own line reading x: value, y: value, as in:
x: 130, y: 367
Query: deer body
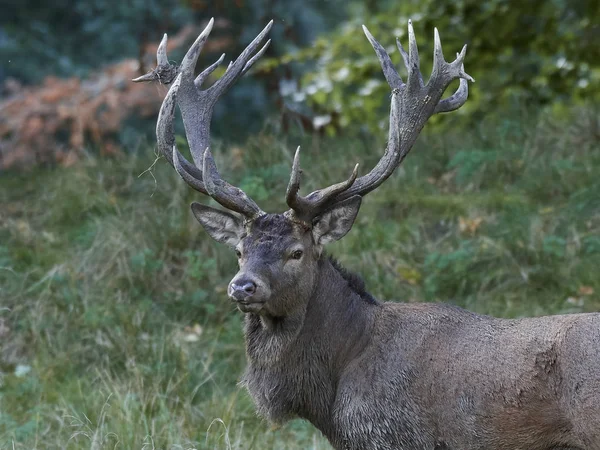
x: 425, y: 376
x: 373, y: 375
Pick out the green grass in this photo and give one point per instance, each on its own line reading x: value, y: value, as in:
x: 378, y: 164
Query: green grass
x: 114, y: 323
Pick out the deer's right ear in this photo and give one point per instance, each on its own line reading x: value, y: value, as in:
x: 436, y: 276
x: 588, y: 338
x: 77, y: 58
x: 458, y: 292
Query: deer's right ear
x: 222, y: 226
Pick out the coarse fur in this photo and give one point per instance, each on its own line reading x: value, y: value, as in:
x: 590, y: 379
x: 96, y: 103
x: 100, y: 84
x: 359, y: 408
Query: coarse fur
x: 386, y: 375
x: 354, y: 280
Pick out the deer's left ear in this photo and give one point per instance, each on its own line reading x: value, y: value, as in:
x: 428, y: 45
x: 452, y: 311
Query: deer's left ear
x: 334, y: 223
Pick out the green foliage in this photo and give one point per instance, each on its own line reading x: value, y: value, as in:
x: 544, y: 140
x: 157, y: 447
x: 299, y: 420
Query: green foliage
x: 255, y: 187
x: 319, y: 64
x: 114, y: 320
x: 444, y: 269
x: 66, y: 38
x: 468, y: 162
x: 517, y: 56
x: 554, y: 246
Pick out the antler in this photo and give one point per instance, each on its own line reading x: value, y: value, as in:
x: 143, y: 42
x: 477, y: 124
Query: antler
x: 196, y: 106
x: 413, y: 103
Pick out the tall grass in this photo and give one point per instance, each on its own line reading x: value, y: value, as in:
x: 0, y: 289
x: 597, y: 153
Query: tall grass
x: 115, y: 329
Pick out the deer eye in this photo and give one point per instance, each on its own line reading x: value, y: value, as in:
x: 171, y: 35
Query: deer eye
x: 296, y: 254
x: 238, y: 253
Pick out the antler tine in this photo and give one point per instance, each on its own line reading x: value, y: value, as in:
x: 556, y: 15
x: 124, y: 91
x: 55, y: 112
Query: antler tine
x: 438, y: 54
x: 459, y: 63
x: 179, y: 163
x: 188, y: 64
x: 224, y: 193
x: 242, y: 62
x: 411, y: 59
x: 443, y: 72
x: 164, y: 72
x: 206, y: 72
x: 414, y: 72
x: 459, y: 97
x: 161, y: 52
x: 389, y: 71
x: 307, y: 208
x: 291, y: 194
x: 256, y: 57
x: 403, y: 53
x: 412, y: 105
x: 455, y: 101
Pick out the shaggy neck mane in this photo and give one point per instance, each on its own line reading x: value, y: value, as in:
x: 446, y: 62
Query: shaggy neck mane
x: 355, y: 281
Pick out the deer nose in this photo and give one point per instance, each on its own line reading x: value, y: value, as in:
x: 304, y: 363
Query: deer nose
x: 241, y: 290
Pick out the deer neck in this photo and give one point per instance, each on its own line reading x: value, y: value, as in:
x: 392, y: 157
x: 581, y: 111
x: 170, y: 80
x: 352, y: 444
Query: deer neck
x: 339, y: 317
x: 295, y: 362
x: 335, y: 317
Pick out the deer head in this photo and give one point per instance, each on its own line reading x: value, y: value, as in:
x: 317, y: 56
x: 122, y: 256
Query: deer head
x: 279, y: 254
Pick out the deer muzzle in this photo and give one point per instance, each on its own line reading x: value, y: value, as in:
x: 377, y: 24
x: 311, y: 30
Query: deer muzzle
x: 250, y: 294
x: 242, y: 290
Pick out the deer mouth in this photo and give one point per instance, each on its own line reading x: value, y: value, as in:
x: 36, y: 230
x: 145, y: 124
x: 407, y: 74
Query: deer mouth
x: 250, y: 306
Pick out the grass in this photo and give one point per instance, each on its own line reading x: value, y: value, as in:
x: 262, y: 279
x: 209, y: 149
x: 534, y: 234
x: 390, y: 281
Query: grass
x: 115, y: 327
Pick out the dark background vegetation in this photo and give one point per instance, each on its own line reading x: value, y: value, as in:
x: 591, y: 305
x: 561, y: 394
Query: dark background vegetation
x: 115, y: 330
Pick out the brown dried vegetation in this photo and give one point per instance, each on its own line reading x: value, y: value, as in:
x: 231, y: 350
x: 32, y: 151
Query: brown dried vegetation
x: 52, y: 122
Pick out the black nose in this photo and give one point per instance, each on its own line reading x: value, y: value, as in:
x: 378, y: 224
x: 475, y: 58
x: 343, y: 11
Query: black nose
x: 242, y: 290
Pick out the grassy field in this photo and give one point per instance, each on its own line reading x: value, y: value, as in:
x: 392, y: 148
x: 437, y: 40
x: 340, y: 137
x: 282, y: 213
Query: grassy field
x: 115, y: 329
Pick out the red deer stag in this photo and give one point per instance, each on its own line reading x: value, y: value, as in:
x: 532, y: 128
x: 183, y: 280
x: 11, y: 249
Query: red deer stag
x: 371, y: 374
